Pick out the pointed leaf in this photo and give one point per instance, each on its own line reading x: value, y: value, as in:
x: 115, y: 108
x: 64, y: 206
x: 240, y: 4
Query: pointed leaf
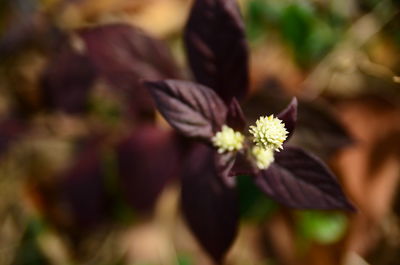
x: 235, y: 117
x: 209, y: 207
x: 192, y: 109
x: 316, y: 120
x: 300, y: 180
x: 216, y: 47
x: 289, y: 117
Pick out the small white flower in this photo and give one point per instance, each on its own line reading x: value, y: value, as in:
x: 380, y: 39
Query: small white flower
x: 228, y: 140
x: 269, y: 133
x: 264, y: 157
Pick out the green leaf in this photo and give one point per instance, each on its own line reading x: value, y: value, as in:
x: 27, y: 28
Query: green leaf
x: 260, y: 16
x: 322, y: 227
x: 184, y: 259
x: 29, y: 252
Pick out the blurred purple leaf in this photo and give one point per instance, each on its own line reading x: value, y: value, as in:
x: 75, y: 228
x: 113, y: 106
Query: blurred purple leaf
x: 147, y: 160
x: 289, y: 117
x: 209, y: 207
x: 300, y: 180
x: 235, y: 117
x: 83, y: 190
x: 320, y: 130
x: 119, y: 54
x: 216, y: 47
x: 123, y: 54
x: 192, y: 109
x: 67, y: 80
x: 119, y: 50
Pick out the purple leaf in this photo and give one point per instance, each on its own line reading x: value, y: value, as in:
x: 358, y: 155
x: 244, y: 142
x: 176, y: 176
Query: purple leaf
x: 315, y: 121
x: 83, y: 191
x: 192, y: 109
x: 289, y: 117
x: 123, y: 55
x: 147, y: 160
x: 216, y: 47
x: 300, y: 180
x: 235, y: 117
x: 67, y: 80
x: 119, y: 50
x: 209, y: 206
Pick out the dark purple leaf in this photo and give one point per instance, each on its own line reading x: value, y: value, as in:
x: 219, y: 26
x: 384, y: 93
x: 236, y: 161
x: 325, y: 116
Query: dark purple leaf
x: 67, y: 80
x: 300, y: 180
x: 289, y: 117
x: 123, y: 55
x: 147, y: 160
x: 194, y: 110
x: 317, y: 128
x: 235, y: 117
x: 209, y: 206
x: 83, y: 191
x: 119, y: 50
x: 216, y: 47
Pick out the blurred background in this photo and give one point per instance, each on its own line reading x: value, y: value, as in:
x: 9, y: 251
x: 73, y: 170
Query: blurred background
x: 89, y: 172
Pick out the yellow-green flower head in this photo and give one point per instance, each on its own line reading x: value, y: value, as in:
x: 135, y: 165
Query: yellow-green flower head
x: 264, y: 157
x: 228, y: 140
x: 269, y: 133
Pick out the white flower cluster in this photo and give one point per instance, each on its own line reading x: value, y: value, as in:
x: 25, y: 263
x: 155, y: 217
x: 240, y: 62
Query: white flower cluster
x: 269, y: 133
x: 228, y: 140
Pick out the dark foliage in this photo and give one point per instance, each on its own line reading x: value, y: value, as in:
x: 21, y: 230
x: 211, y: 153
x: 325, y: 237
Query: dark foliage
x: 300, y: 180
x: 216, y: 47
x: 217, y: 54
x: 209, y: 206
x: 67, y: 80
x: 120, y: 55
x: 192, y: 109
x: 147, y: 160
